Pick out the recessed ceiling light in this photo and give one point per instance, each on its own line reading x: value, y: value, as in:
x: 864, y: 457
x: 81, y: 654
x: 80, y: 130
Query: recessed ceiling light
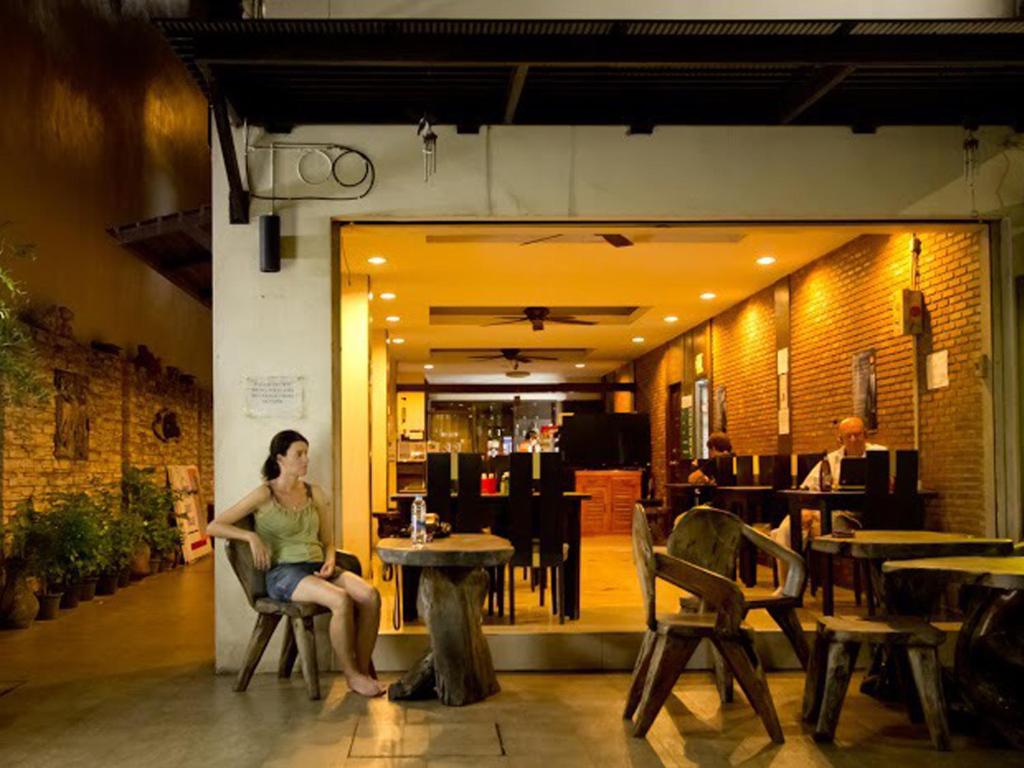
x: 370, y: 296
x: 706, y: 296
x: 392, y: 318
x: 428, y: 367
x: 517, y: 374
x: 388, y: 296
x: 766, y: 261
x: 638, y: 339
x: 671, y: 319
x: 377, y: 260
x: 581, y: 365
x: 398, y: 340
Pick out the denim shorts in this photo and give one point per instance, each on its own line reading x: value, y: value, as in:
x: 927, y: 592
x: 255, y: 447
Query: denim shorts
x: 283, y: 578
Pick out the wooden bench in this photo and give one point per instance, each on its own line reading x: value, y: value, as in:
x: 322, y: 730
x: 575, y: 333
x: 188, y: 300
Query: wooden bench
x: 835, y: 650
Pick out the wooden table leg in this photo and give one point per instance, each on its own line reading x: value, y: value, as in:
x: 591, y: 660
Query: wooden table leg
x: 571, y: 571
x: 458, y: 666
x: 828, y: 585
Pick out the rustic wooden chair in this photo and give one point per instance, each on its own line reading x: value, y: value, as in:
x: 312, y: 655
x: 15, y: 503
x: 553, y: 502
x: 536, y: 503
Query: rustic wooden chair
x: 835, y: 652
x: 711, y: 538
x: 670, y: 640
x: 300, y: 639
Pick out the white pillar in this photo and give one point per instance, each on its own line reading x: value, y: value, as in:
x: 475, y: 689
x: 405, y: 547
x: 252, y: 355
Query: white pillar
x: 355, y: 418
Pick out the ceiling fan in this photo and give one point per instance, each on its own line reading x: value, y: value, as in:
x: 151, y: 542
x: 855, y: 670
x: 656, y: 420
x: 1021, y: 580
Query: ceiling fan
x: 537, y: 316
x: 512, y: 355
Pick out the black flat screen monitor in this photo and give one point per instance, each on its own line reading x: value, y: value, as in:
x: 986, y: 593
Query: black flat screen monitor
x: 598, y: 440
x: 853, y: 472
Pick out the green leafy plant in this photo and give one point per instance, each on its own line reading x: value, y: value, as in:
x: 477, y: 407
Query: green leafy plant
x: 153, y: 503
x: 36, y: 541
x: 20, y: 378
x: 122, y: 535
x: 78, y: 518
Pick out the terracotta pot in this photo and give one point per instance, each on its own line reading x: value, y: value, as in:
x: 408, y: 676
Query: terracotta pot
x: 170, y: 563
x: 49, y: 606
x: 87, y: 591
x: 139, y: 565
x: 25, y: 607
x: 107, y: 584
x: 156, y: 564
x: 124, y: 578
x: 72, y: 594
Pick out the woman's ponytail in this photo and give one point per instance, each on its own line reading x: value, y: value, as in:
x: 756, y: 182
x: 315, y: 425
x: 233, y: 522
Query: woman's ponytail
x: 279, y: 446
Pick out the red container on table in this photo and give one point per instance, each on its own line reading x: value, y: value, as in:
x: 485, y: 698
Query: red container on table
x: 488, y: 485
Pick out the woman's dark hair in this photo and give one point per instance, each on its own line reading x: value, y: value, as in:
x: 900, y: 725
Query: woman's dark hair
x: 719, y: 441
x: 279, y: 446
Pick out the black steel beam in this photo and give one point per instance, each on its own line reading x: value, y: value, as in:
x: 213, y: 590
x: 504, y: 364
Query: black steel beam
x: 803, y: 96
x: 515, y: 90
x: 238, y: 196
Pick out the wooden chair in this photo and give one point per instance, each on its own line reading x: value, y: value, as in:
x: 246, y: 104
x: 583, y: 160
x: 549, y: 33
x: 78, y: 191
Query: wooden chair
x: 711, y: 539
x: 439, y: 485
x: 300, y: 639
x: 835, y: 652
x: 670, y: 640
x: 469, y: 511
x: 744, y: 470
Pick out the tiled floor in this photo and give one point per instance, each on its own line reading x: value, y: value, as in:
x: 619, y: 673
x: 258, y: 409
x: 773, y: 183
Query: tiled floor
x: 128, y: 681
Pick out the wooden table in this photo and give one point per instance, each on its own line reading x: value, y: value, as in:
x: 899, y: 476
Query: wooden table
x: 457, y: 667
x: 878, y: 546
x: 500, y: 502
x: 989, y: 662
x: 747, y: 502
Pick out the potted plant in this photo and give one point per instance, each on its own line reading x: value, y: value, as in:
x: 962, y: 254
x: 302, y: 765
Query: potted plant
x: 120, y: 535
x: 35, y: 541
x: 18, y: 604
x: 76, y: 516
x: 153, y: 503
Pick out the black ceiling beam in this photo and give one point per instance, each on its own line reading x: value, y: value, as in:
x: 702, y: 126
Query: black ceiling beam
x: 807, y: 93
x: 515, y: 91
x: 238, y: 196
x: 336, y: 49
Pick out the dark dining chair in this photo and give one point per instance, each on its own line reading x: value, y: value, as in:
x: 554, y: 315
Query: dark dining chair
x: 469, y: 511
x: 518, y: 526
x: 439, y: 485
x: 724, y: 473
x: 744, y: 470
x: 805, y: 462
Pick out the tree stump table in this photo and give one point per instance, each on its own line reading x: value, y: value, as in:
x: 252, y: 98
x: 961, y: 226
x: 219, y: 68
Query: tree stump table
x: 457, y: 668
x: 989, y: 661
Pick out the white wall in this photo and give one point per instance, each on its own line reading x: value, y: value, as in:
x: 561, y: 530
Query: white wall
x: 281, y: 323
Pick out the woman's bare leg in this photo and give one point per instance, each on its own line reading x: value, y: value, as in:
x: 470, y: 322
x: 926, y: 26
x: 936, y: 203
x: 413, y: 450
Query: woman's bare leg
x: 367, y: 609
x: 313, y: 589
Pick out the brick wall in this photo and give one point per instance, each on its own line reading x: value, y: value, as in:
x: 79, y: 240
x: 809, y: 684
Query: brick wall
x: 122, y: 400
x: 841, y: 304
x: 743, y: 353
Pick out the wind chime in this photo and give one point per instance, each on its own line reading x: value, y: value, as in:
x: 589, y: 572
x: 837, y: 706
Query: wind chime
x: 426, y: 132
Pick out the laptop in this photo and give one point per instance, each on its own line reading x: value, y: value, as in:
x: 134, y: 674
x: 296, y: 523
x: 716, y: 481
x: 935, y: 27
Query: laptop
x: 853, y: 473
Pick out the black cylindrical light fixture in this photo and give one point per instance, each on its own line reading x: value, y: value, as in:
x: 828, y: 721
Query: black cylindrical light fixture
x: 270, y: 243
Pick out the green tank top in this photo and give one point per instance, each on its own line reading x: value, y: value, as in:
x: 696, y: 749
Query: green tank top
x: 293, y: 535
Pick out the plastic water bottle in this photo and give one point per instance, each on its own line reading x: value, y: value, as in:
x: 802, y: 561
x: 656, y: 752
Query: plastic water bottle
x: 419, y: 522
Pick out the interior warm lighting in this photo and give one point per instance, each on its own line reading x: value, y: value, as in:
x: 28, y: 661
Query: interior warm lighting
x: 671, y: 319
x: 369, y: 296
x: 377, y: 260
x: 706, y: 296
x: 398, y: 340
x: 766, y: 261
x: 392, y: 319
x: 388, y: 296
x: 581, y: 365
x: 638, y: 339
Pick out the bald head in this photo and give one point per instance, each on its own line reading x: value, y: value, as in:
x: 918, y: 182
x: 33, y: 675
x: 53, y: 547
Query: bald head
x: 852, y: 436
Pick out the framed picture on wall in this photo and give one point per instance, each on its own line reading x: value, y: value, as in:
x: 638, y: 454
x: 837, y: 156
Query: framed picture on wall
x: 865, y: 388
x: 721, y: 414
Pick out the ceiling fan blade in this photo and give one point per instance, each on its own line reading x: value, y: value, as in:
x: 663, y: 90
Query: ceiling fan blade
x: 508, y: 321
x: 536, y: 357
x: 616, y: 240
x: 486, y: 357
x: 543, y: 239
x: 571, y: 321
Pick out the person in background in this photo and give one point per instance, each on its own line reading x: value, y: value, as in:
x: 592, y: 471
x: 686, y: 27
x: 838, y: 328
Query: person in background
x: 852, y: 438
x: 531, y: 444
x: 293, y: 542
x: 703, y: 472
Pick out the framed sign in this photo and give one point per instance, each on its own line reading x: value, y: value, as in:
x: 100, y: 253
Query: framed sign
x: 189, y: 510
x: 274, y: 396
x: 865, y: 388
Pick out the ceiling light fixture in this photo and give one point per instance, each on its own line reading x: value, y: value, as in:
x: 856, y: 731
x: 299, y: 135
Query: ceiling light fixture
x: 581, y: 365
x: 428, y: 367
x: 369, y: 296
x: 708, y: 296
x: 766, y: 261
x: 671, y: 319
x: 377, y: 260
x: 638, y: 339
x: 392, y: 318
x: 388, y: 296
x: 398, y: 340
x: 517, y: 374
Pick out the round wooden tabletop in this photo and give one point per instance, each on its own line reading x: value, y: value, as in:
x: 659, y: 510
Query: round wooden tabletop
x: 460, y: 550
x: 894, y: 545
x: 995, y: 572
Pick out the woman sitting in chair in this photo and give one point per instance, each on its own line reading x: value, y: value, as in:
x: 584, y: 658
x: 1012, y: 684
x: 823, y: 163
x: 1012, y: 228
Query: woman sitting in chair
x: 292, y: 540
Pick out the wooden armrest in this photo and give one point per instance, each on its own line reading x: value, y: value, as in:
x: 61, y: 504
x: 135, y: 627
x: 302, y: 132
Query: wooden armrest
x: 718, y: 593
x: 348, y: 562
x: 797, y: 575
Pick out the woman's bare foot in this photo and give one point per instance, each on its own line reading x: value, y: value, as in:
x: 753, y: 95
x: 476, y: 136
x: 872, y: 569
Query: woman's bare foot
x: 365, y: 685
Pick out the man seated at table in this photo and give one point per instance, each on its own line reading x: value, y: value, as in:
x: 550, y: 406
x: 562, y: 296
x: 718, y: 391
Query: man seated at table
x: 853, y: 443
x: 704, y: 470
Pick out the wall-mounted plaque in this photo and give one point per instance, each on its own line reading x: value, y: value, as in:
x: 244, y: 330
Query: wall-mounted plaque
x: 274, y: 396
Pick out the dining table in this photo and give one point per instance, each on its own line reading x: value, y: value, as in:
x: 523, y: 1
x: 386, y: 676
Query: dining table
x: 989, y: 658
x: 499, y: 502
x: 457, y: 667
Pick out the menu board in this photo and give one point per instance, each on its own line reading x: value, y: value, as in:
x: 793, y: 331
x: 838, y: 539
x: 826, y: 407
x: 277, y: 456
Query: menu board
x: 189, y: 511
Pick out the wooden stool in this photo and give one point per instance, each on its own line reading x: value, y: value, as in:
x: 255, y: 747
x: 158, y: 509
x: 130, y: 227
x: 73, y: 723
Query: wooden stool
x: 835, y: 652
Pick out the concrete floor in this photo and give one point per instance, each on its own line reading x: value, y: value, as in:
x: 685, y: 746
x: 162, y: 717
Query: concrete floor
x: 128, y: 681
